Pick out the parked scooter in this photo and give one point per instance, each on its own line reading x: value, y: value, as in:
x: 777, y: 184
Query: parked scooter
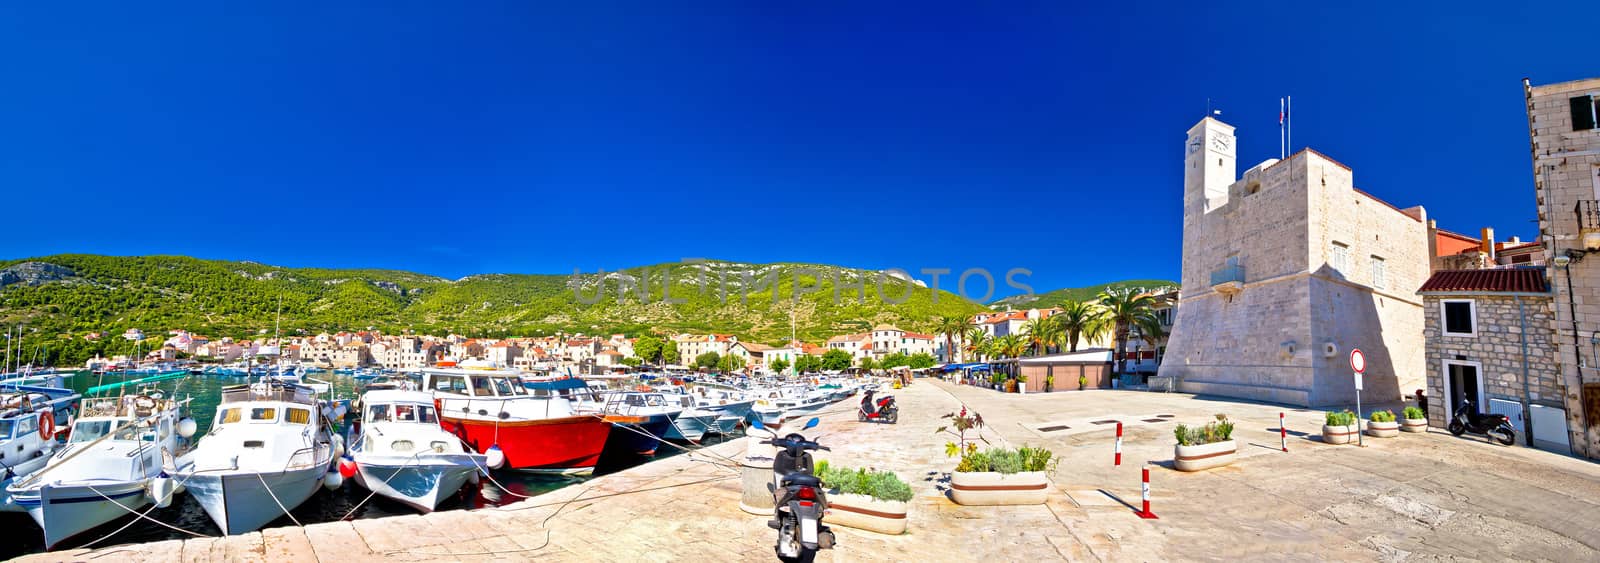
x: 800, y: 499
x: 1494, y: 426
x: 880, y: 410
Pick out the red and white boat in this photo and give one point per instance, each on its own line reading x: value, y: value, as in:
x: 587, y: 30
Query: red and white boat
x: 488, y: 407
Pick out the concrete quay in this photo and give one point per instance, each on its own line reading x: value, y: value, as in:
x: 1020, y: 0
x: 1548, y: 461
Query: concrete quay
x: 1419, y: 496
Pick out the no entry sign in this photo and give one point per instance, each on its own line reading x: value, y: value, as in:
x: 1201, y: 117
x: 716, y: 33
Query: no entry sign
x: 1358, y: 364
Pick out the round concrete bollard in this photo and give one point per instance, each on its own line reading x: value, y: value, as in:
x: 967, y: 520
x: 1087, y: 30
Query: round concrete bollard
x: 755, y: 471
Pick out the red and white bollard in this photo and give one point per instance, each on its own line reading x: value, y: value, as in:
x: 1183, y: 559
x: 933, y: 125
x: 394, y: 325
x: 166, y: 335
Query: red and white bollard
x: 1283, y: 433
x: 1119, y: 444
x: 1145, y: 493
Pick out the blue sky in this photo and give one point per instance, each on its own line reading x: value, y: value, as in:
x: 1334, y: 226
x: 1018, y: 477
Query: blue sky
x: 459, y: 138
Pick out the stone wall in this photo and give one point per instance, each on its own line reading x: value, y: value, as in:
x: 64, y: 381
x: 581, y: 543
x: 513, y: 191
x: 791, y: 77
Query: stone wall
x: 1498, y: 347
x: 1564, y: 173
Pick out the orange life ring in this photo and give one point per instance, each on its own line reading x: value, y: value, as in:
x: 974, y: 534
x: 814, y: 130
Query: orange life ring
x: 47, y: 424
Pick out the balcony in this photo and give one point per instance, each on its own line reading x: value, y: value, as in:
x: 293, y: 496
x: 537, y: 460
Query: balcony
x: 1588, y: 212
x: 1228, y: 280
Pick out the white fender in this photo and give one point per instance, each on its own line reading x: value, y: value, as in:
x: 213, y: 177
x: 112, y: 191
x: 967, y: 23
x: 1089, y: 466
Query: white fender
x: 333, y: 480
x: 496, y: 458
x: 161, y: 490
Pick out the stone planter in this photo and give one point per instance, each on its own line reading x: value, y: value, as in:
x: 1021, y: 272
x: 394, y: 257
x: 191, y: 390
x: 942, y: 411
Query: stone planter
x: 1383, y: 429
x: 1204, y: 456
x: 866, y: 513
x: 1338, y: 434
x: 990, y: 488
x: 1414, y: 425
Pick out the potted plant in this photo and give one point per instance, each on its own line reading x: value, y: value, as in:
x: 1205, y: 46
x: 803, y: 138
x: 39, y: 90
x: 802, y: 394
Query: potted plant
x: 1022, y: 384
x: 1338, y: 427
x: 1381, y: 424
x: 1049, y: 383
x: 1415, y: 420
x: 1204, y: 447
x: 865, y: 499
x: 1003, y: 476
x: 1083, y: 382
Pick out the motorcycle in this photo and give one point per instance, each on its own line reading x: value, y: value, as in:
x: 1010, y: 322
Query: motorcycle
x: 882, y: 410
x: 1493, y: 426
x: 800, y: 499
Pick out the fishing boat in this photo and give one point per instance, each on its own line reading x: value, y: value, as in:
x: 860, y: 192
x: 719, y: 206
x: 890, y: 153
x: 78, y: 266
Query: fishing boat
x: 267, y: 451
x: 116, y: 463
x: 402, y: 453
x: 731, y: 405
x: 491, y: 410
x: 27, y: 438
x: 639, y: 418
x: 692, y: 422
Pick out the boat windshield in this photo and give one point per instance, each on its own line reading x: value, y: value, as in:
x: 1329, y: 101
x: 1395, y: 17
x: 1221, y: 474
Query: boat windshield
x: 401, y: 413
x: 91, y: 430
x: 5, y: 428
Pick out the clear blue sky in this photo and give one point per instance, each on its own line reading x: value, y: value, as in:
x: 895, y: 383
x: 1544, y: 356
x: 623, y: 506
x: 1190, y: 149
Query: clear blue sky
x: 454, y: 138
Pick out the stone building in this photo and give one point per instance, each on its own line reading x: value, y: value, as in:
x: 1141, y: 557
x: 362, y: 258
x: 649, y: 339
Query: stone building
x: 1284, y: 271
x: 1489, y: 340
x: 1564, y: 138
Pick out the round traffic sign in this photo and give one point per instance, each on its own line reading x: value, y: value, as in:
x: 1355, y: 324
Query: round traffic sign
x: 1358, y: 361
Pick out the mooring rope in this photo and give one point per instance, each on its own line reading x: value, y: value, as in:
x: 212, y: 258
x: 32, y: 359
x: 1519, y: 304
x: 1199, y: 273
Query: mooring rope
x: 144, y: 515
x: 274, y: 496
x: 373, y: 491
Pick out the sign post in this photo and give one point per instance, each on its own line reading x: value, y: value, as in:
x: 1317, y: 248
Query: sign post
x: 1358, y: 366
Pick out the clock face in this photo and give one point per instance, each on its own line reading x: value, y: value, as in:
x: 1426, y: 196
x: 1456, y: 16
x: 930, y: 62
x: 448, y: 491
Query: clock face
x: 1220, y: 143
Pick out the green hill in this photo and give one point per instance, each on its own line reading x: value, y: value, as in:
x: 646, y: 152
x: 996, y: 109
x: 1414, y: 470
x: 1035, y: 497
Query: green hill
x: 1059, y: 296
x: 65, y: 297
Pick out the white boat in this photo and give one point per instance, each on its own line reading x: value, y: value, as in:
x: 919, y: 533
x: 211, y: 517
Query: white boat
x: 26, y: 442
x: 692, y: 422
x: 112, y: 467
x: 730, y: 405
x: 402, y: 453
x: 267, y: 451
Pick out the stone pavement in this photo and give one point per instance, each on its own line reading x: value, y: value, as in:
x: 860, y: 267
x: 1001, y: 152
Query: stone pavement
x: 1427, y: 496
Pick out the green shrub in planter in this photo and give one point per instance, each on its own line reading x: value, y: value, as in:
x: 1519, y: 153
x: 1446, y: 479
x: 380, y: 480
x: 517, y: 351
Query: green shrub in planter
x: 1219, y: 431
x: 1414, y: 413
x: 1008, y: 461
x: 1382, y: 416
x: 881, y: 485
x: 1343, y: 418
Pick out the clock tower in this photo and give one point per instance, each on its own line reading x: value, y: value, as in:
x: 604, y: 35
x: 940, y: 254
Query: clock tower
x: 1209, y: 166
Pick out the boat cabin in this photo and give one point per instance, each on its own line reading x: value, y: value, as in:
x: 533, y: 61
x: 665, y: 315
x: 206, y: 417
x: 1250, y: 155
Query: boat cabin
x: 469, y: 383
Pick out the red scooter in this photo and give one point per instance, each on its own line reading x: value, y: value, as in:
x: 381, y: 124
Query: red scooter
x: 881, y: 410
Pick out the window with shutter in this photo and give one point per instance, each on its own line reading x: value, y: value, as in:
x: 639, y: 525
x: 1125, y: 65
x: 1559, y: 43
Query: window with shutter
x: 1583, y: 118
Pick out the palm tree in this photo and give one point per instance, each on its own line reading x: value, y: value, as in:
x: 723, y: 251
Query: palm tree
x: 977, y: 343
x: 1126, y: 307
x: 1041, y: 333
x: 1012, y: 346
x: 1080, y: 321
x: 952, y: 328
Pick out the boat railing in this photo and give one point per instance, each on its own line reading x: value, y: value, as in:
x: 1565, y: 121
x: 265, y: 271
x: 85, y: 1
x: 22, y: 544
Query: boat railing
x: 315, y: 458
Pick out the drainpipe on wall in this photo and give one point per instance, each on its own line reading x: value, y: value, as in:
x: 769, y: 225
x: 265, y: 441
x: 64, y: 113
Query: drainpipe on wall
x: 1527, y: 411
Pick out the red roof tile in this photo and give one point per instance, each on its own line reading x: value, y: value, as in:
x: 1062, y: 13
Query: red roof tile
x: 1518, y: 280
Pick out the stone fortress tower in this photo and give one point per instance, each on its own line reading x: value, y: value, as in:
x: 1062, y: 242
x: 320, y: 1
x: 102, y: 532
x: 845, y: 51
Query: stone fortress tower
x: 1284, y: 271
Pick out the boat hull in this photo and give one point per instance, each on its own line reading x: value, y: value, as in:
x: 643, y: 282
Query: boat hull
x: 690, y: 427
x: 19, y: 471
x: 421, y: 484
x: 639, y: 435
x: 554, y: 445
x: 241, y: 503
x: 64, y: 512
